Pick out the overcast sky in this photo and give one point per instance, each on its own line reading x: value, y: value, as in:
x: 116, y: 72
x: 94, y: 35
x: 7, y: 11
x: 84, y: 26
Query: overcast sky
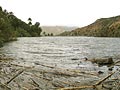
x: 62, y: 12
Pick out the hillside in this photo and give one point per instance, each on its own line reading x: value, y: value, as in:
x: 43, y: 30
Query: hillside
x: 12, y: 27
x: 104, y: 27
x: 56, y: 29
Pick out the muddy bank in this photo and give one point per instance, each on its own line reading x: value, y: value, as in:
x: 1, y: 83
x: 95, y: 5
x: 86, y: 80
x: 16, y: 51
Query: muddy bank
x: 17, y: 76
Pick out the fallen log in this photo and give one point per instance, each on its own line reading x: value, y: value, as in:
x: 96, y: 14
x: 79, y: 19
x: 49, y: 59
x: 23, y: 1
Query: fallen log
x: 102, y: 61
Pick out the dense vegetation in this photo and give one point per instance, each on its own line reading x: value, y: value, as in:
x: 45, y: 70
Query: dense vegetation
x: 12, y: 27
x: 104, y: 27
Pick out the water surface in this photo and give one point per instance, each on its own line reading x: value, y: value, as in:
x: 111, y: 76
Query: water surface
x: 64, y: 52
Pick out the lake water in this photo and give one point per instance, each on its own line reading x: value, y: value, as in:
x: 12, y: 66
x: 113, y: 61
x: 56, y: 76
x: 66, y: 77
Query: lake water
x: 64, y: 52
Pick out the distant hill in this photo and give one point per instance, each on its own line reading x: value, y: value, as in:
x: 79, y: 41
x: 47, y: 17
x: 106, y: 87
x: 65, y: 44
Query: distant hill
x: 104, y: 27
x: 56, y: 29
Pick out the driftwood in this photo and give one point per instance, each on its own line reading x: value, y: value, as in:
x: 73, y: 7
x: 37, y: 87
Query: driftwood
x: 91, y: 86
x: 62, y: 72
x: 83, y: 72
x: 57, y: 84
x: 99, y: 82
x: 47, y: 66
x: 116, y: 62
x: 43, y: 78
x: 35, y: 82
x: 76, y: 88
x: 14, y: 77
x: 66, y: 72
x: 102, y: 61
x: 54, y: 83
x: 5, y: 86
x: 27, y: 67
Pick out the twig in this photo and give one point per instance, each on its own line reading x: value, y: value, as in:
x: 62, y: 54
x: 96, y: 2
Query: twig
x: 4, y: 85
x: 14, y: 77
x: 47, y: 66
x: 35, y: 82
x: 76, y: 88
x: 23, y: 66
x: 99, y: 82
x: 116, y: 62
x: 57, y: 84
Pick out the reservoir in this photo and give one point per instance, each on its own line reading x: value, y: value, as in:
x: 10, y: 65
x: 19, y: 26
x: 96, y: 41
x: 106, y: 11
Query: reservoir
x: 64, y: 52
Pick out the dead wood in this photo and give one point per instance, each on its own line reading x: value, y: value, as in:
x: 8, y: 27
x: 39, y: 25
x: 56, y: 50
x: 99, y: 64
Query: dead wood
x: 92, y: 86
x: 5, y: 86
x: 103, y: 61
x: 14, y: 77
x: 116, y: 62
x: 76, y: 88
x: 57, y: 84
x: 47, y: 66
x: 27, y: 67
x: 35, y: 82
x: 45, y: 78
x: 102, y: 80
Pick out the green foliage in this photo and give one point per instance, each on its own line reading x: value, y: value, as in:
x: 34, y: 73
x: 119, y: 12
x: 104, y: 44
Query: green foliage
x: 29, y: 21
x: 35, y: 30
x: 22, y: 33
x: 51, y: 34
x: 47, y: 34
x: 0, y: 8
x: 12, y: 27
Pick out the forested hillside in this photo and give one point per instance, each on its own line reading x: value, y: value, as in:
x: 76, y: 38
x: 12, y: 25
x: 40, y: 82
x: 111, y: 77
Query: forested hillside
x: 12, y: 27
x: 104, y: 27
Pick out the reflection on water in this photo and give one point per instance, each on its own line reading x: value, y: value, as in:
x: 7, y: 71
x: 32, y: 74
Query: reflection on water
x: 62, y: 50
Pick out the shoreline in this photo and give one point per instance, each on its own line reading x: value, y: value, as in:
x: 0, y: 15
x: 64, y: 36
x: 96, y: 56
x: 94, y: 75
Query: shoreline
x: 43, y: 76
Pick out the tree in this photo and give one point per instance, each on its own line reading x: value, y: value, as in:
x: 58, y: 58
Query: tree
x: 5, y: 11
x: 44, y: 33
x: 29, y: 21
x: 0, y: 8
x: 37, y: 24
x: 51, y: 34
x: 10, y: 13
x: 48, y: 34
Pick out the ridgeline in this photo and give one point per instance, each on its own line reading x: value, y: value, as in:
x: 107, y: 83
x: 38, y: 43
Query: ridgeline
x: 12, y: 27
x: 104, y: 27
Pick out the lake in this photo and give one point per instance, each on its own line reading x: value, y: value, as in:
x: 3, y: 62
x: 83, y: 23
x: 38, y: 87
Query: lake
x: 64, y: 52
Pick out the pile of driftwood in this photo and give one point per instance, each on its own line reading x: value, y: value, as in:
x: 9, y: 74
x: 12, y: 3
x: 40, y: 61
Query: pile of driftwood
x: 45, y: 77
x: 94, y: 86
